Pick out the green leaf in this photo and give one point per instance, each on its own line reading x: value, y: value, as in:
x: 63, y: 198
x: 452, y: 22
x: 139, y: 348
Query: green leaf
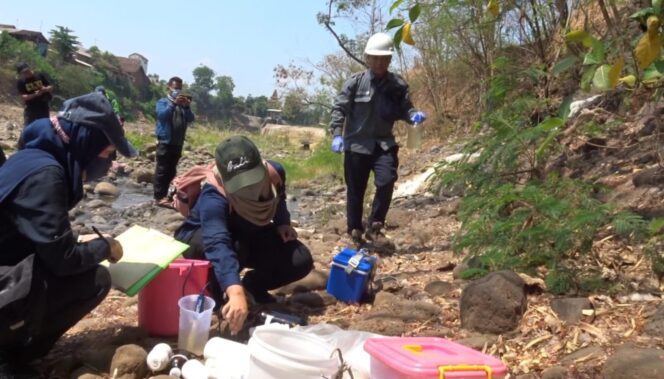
x: 643, y: 13
x: 596, y: 54
x: 657, y: 6
x: 587, y: 78
x: 414, y: 12
x: 580, y: 36
x: 563, y: 111
x: 398, y: 36
x: 395, y: 5
x: 601, y: 79
x: 564, y: 65
x: 652, y: 72
x: 394, y: 23
x: 550, y: 123
x: 656, y: 225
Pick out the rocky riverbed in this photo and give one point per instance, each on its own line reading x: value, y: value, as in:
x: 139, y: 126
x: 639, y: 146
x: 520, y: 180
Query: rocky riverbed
x: 417, y: 289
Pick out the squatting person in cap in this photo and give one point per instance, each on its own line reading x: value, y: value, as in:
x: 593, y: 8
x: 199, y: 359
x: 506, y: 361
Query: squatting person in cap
x: 36, y: 91
x: 363, y: 116
x: 50, y: 278
x: 173, y: 117
x: 248, y: 225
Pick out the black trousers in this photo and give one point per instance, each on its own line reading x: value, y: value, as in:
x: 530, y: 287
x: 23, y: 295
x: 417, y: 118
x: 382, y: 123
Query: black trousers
x: 357, y: 167
x: 167, y: 157
x: 273, y: 262
x: 67, y: 300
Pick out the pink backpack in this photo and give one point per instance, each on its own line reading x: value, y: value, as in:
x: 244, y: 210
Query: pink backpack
x: 186, y: 188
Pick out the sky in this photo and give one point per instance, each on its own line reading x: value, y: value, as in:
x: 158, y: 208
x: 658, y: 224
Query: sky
x: 244, y: 39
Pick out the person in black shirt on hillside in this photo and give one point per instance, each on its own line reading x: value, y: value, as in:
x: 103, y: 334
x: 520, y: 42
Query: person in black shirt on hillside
x: 36, y: 92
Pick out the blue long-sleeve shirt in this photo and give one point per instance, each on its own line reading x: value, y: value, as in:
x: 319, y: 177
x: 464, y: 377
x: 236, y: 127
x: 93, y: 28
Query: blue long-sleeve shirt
x: 221, y: 228
x: 164, y: 128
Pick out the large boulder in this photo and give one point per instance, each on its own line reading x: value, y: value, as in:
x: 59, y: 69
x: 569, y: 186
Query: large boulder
x: 493, y: 304
x: 655, y: 325
x: 635, y: 363
x: 129, y: 362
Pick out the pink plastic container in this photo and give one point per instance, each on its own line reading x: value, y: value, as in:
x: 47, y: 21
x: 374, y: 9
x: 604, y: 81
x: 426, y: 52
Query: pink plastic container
x: 430, y: 358
x: 158, y: 311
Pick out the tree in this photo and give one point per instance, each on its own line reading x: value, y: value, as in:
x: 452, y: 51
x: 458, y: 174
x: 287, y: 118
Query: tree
x: 294, y: 107
x: 365, y: 13
x: 224, y: 100
x: 64, y: 43
x: 201, y: 90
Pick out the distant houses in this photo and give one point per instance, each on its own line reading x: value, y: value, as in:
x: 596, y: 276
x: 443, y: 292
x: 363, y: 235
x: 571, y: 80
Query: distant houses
x: 135, y: 66
x: 41, y: 42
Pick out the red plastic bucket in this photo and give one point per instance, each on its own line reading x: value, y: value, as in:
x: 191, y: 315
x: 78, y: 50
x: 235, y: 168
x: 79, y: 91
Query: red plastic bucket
x: 158, y: 311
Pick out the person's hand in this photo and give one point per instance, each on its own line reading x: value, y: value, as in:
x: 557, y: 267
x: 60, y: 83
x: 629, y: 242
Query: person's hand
x: 116, y: 250
x: 235, y: 310
x: 183, y: 101
x: 338, y: 144
x: 287, y: 233
x: 85, y: 238
x: 418, y: 117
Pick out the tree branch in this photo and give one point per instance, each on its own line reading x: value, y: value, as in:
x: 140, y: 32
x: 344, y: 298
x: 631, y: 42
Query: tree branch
x: 336, y: 36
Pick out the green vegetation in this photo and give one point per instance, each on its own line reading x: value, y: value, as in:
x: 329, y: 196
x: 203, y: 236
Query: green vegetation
x: 517, y: 213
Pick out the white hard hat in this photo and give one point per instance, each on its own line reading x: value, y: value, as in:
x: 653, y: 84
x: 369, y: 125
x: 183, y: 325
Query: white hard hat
x: 379, y: 44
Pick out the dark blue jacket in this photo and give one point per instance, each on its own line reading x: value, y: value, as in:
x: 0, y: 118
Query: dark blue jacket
x: 164, y: 128
x: 222, y: 228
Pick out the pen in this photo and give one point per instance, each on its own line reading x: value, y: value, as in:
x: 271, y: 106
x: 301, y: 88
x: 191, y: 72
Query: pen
x: 94, y: 229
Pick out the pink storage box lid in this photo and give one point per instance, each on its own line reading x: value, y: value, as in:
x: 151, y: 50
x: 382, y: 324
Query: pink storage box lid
x: 424, y: 357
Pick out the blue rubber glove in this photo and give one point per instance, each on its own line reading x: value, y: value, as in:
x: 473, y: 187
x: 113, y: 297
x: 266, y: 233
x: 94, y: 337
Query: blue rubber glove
x: 338, y: 144
x: 418, y: 117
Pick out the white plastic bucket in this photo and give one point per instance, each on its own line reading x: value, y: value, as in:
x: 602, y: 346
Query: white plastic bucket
x: 288, y: 354
x: 226, y: 359
x: 194, y: 327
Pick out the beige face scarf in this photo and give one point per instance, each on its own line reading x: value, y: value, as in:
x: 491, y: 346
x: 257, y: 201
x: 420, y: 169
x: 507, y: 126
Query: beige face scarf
x: 256, y: 203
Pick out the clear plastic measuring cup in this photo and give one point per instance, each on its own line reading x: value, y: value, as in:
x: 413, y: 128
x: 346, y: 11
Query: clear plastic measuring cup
x: 194, y: 328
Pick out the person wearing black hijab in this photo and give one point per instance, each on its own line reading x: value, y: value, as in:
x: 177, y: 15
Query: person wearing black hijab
x: 49, y: 277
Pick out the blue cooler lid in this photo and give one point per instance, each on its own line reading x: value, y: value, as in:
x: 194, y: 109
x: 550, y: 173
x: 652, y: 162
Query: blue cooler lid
x: 346, y: 254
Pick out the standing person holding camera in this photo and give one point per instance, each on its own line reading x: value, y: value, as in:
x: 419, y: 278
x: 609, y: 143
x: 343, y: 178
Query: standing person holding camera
x: 173, y: 116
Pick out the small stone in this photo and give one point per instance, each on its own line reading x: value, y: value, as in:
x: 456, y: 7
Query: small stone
x: 570, y: 309
x: 142, y: 175
x: 438, y: 288
x: 313, y: 299
x: 329, y: 237
x: 555, y: 372
x: 96, y: 203
x: 84, y: 373
x: 479, y: 342
x: 586, y: 354
x: 106, y: 189
x: 461, y: 267
x: 98, y: 220
x: 384, y: 326
x: 130, y: 362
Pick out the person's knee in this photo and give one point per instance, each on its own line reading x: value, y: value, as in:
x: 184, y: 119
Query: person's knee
x: 303, y: 262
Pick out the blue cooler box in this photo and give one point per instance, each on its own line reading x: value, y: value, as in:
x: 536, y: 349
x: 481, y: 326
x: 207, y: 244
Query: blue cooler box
x: 350, y: 274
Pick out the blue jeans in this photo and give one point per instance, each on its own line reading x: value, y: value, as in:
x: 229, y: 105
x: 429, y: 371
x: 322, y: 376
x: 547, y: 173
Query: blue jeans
x: 357, y: 167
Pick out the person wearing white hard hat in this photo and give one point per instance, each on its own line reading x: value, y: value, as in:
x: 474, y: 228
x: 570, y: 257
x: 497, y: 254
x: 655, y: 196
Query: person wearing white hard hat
x: 363, y: 117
